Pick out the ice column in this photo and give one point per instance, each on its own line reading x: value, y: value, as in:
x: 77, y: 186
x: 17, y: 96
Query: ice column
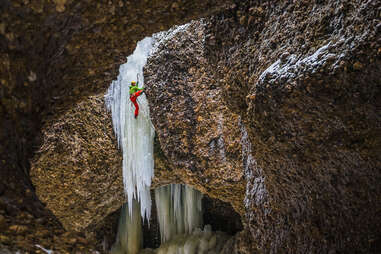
x: 179, y: 210
x: 130, y: 236
x: 135, y: 136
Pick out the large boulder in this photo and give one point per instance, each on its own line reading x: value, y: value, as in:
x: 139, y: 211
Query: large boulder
x: 308, y: 79
x: 304, y: 79
x: 198, y: 134
x: 77, y: 170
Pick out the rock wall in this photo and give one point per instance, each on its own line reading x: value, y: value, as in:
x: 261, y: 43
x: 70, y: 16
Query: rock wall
x: 77, y: 171
x: 196, y: 131
x: 304, y: 79
x: 311, y: 76
x: 270, y: 106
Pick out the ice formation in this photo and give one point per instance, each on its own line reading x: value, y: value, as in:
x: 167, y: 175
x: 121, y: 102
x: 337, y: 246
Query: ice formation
x: 43, y: 249
x: 179, y: 207
x: 198, y: 242
x: 130, y: 236
x: 179, y: 210
x: 135, y: 136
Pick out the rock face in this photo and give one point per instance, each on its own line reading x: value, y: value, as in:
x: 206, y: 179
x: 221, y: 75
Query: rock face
x: 310, y: 112
x: 269, y: 106
x: 77, y: 174
x: 304, y: 78
x: 196, y: 131
x: 77, y: 170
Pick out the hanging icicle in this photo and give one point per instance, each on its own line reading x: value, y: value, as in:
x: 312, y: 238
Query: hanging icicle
x: 130, y: 236
x: 135, y: 136
x: 179, y: 210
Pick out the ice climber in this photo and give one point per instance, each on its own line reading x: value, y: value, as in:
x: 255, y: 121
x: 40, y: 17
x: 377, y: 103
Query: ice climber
x: 135, y: 92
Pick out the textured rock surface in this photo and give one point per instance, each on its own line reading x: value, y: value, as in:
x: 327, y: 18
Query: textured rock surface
x: 305, y: 79
x: 310, y: 85
x: 196, y: 131
x: 77, y: 171
x: 307, y: 143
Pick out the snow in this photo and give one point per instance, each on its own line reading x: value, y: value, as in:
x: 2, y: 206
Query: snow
x: 256, y: 187
x: 292, y: 67
x: 162, y: 38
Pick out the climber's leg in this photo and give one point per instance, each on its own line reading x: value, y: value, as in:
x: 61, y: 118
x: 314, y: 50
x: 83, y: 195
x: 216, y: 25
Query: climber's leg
x: 133, y: 98
x: 136, y: 109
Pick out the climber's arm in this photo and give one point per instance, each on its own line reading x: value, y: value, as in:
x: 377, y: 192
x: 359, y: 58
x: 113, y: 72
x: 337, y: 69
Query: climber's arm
x: 139, y: 88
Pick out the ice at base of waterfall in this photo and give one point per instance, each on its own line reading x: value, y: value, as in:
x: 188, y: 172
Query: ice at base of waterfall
x: 129, y: 238
x: 179, y: 210
x: 198, y: 242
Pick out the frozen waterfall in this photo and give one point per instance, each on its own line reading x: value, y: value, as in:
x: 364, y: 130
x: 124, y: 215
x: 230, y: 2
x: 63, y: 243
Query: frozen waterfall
x: 179, y: 207
x: 179, y: 210
x: 135, y: 136
x: 179, y: 214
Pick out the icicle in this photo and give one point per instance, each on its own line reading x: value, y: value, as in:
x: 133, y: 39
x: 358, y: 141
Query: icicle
x: 164, y: 214
x: 135, y: 136
x: 130, y: 236
x: 179, y: 210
